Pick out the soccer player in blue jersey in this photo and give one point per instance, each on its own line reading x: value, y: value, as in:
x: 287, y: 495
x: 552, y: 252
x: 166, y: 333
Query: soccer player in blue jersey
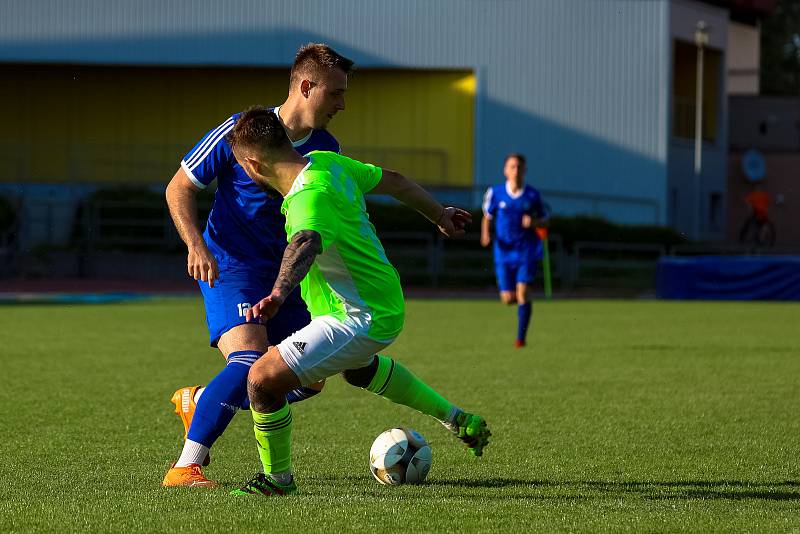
x: 236, y: 259
x: 516, y: 210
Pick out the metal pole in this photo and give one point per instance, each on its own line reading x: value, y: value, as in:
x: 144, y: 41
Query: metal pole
x: 698, y: 114
x: 548, y: 280
x: 701, y: 39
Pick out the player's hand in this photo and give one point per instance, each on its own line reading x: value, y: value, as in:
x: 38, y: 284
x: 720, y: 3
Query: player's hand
x: 202, y: 265
x: 453, y: 221
x: 266, y: 308
x: 527, y: 222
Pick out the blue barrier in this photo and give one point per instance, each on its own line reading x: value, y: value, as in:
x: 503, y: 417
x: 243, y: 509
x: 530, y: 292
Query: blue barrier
x: 729, y: 277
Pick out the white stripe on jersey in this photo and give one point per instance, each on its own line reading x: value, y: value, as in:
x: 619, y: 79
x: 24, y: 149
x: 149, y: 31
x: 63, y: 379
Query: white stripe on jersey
x: 192, y: 159
x: 487, y: 201
x: 191, y: 175
x: 205, y: 148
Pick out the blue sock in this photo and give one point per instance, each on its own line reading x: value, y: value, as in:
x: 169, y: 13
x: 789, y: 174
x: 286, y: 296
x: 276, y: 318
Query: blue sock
x: 524, y: 318
x: 296, y: 395
x: 225, y: 394
x: 222, y: 397
x: 300, y: 394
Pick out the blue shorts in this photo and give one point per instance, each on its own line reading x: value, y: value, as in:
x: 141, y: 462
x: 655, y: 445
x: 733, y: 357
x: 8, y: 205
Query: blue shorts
x: 509, y: 274
x: 236, y: 291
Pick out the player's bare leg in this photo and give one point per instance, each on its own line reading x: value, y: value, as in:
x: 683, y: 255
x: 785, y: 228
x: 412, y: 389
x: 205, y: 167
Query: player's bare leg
x: 508, y: 297
x: 242, y: 337
x: 249, y: 336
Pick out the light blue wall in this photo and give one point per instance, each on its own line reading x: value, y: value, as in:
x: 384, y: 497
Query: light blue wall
x: 690, y: 199
x: 579, y: 86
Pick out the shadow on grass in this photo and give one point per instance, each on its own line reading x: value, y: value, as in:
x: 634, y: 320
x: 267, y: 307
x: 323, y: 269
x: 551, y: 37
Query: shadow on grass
x: 588, y: 490
x: 653, y: 490
x: 702, y: 489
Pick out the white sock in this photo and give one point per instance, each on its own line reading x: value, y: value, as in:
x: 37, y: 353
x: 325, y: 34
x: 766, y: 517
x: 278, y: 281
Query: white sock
x: 193, y: 453
x: 198, y: 394
x: 283, y: 478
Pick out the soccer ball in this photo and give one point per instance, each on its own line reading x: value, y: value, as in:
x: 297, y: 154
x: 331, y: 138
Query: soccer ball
x: 400, y: 456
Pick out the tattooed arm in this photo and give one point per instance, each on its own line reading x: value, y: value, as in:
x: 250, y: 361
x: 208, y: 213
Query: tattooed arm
x: 298, y: 257
x: 300, y: 253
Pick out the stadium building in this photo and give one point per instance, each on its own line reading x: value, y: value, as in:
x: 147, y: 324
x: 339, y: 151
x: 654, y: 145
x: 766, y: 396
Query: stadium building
x: 600, y: 95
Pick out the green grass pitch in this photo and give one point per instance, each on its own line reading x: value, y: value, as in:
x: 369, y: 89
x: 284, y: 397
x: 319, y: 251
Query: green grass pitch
x: 619, y: 416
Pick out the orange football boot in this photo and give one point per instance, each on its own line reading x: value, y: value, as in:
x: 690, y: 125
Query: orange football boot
x: 183, y: 399
x: 189, y: 476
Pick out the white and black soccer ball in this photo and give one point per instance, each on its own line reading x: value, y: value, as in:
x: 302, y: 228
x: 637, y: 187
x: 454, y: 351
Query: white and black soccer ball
x: 400, y: 456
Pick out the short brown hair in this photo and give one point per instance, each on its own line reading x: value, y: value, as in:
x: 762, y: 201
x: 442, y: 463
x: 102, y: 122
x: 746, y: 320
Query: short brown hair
x: 257, y: 129
x: 317, y: 57
x: 517, y: 155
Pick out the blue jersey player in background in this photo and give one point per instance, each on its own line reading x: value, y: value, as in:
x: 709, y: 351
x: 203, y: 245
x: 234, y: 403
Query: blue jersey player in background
x: 237, y: 258
x: 516, y: 210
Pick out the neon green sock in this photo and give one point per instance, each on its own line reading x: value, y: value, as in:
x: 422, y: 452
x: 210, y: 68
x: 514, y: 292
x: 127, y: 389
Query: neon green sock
x: 395, y: 382
x: 274, y: 437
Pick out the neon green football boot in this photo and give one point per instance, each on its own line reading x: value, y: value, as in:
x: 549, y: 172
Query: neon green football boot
x: 261, y: 484
x: 472, y: 430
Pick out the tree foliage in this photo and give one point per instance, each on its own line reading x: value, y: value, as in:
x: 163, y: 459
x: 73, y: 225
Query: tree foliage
x: 780, y: 50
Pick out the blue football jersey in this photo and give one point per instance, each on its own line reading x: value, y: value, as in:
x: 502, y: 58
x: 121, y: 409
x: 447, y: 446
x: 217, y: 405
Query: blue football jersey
x: 512, y: 242
x: 245, y: 225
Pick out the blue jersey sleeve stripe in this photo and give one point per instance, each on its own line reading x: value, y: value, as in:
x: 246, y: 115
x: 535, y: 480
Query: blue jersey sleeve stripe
x: 191, y: 176
x: 206, y: 146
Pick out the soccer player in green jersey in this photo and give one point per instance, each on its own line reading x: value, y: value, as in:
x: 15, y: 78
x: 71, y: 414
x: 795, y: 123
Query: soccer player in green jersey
x: 351, y: 289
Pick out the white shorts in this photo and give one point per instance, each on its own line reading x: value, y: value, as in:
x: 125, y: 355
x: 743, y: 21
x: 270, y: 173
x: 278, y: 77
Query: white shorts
x: 327, y: 346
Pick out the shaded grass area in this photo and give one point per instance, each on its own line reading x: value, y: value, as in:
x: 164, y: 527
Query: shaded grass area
x: 624, y: 415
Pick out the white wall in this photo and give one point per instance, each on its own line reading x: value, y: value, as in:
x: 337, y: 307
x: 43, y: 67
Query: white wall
x: 744, y: 59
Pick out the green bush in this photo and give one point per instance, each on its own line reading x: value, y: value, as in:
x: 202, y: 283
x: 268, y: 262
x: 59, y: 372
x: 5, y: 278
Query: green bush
x: 120, y: 216
x: 398, y: 218
x: 137, y: 197
x: 586, y: 228
x: 146, y: 204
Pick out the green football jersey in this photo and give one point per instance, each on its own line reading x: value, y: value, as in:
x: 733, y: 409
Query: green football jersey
x: 352, y: 274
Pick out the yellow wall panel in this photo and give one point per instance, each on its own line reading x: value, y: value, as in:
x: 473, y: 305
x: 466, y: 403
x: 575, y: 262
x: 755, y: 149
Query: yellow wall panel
x: 132, y: 125
x: 419, y: 122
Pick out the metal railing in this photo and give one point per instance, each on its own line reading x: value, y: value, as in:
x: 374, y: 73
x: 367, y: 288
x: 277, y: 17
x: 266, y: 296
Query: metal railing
x: 139, y: 228
x: 110, y: 224
x: 706, y: 249
x: 423, y: 258
x: 614, y: 264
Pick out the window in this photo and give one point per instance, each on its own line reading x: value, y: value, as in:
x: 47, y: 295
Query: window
x: 684, y: 80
